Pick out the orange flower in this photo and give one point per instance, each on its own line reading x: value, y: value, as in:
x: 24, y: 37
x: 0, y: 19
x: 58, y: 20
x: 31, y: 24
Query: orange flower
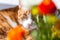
x: 16, y: 33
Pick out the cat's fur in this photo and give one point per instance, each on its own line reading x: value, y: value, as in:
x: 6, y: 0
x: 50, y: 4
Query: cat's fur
x: 4, y: 24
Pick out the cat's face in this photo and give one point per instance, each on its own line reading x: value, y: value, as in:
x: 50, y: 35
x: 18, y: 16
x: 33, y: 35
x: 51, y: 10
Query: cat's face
x: 24, y: 18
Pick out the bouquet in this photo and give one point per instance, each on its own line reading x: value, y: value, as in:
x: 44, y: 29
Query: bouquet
x: 46, y: 18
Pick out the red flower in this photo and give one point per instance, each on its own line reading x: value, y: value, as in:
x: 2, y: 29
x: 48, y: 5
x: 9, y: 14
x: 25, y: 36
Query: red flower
x: 47, y: 8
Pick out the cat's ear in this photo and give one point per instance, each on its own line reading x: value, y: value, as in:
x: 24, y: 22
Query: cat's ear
x: 9, y: 20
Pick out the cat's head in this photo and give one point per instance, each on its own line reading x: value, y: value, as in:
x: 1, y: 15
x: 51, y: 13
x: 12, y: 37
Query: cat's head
x: 24, y: 18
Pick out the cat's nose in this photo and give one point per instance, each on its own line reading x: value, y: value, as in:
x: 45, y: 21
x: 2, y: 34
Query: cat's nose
x: 29, y: 25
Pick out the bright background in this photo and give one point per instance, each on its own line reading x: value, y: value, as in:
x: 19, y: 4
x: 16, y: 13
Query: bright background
x: 12, y: 3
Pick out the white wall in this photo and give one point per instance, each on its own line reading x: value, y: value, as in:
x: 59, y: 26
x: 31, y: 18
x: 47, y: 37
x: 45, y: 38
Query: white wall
x: 4, y: 4
x: 12, y: 3
x: 57, y: 2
